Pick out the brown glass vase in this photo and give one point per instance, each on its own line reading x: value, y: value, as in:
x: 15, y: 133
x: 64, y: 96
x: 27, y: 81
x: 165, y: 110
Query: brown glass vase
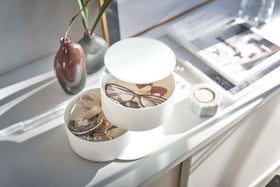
x: 70, y: 66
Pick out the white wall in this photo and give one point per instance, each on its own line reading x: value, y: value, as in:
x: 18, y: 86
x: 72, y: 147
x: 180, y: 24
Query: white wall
x: 30, y: 29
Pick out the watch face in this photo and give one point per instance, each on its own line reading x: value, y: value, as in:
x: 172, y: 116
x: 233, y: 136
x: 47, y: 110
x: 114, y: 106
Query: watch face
x: 88, y: 122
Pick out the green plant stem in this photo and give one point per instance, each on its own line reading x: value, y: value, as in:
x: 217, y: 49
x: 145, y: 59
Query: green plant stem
x: 72, y: 20
x: 102, y: 9
x: 84, y: 14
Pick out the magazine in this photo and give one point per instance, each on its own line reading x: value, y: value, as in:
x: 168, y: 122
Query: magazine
x: 233, y: 50
x: 236, y: 55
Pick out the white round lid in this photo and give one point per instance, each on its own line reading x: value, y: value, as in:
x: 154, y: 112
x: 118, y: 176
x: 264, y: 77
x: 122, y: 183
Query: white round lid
x: 140, y: 60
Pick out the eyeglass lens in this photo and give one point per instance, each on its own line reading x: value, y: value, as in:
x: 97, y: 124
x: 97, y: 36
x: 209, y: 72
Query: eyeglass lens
x: 128, y: 98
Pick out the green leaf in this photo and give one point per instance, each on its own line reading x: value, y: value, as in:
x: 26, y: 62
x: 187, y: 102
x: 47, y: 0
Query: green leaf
x: 82, y: 3
x: 102, y: 9
x: 71, y: 22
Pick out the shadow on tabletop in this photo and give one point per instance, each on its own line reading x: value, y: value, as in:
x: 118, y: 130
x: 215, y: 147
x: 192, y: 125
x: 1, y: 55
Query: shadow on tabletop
x: 182, y: 120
